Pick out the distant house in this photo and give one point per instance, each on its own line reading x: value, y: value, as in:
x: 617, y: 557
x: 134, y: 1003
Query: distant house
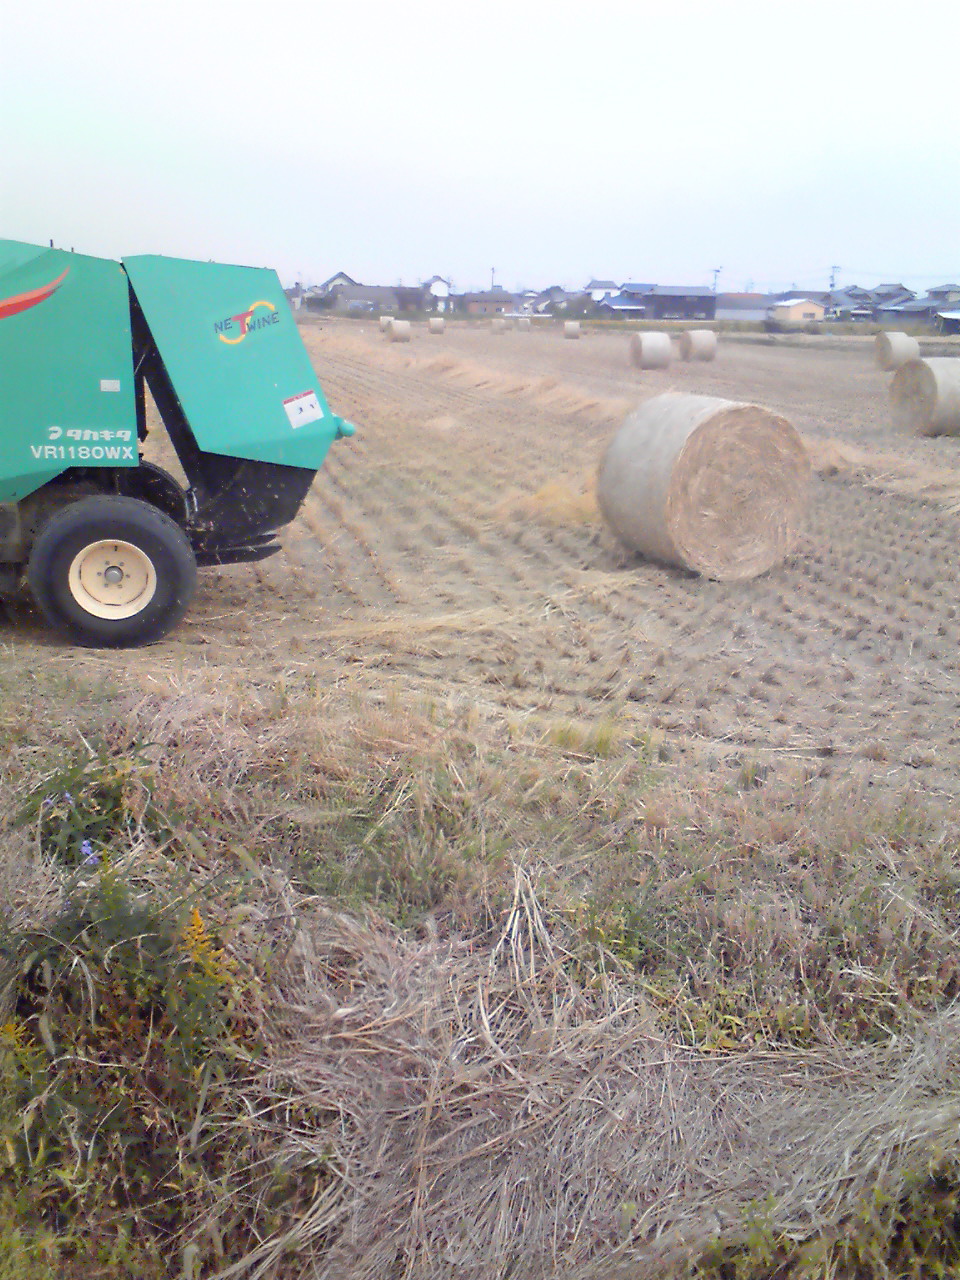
x: 936, y: 309
x: 489, y: 302
x: 917, y: 311
x: 636, y: 290
x: 680, y: 302
x: 437, y: 293
x: 796, y: 311
x: 850, y: 304
x: 622, y: 306
x: 600, y: 289
x: 799, y: 295
x: 747, y: 308
x: 885, y: 295
x: 556, y: 299
x: 363, y: 299
x: 335, y: 282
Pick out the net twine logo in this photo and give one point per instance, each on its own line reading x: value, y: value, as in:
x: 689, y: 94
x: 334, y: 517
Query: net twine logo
x: 246, y: 322
x: 18, y: 302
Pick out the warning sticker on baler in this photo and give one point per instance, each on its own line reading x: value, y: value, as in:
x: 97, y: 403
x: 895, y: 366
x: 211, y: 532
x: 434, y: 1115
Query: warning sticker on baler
x: 303, y: 408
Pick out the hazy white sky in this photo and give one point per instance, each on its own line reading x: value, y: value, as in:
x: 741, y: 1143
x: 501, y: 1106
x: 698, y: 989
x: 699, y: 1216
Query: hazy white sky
x: 550, y: 141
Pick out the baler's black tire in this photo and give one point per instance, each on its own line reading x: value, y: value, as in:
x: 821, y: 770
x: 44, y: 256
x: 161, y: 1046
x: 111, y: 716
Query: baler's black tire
x: 112, y: 572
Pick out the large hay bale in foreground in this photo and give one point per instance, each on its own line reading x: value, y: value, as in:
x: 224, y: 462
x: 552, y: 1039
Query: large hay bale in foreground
x: 399, y: 331
x: 925, y: 396
x: 710, y: 485
x: 436, y: 324
x: 385, y: 323
x: 894, y: 349
x: 651, y: 350
x: 571, y: 328
x: 698, y: 344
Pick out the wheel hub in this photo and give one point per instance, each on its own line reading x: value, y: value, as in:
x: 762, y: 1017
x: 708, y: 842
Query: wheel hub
x: 112, y: 579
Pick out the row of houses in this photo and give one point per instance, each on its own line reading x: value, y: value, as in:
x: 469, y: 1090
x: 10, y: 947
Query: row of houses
x: 886, y: 304
x: 637, y: 300
x: 344, y: 295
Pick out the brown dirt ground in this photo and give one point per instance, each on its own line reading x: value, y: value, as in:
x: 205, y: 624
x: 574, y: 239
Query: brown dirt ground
x: 451, y: 554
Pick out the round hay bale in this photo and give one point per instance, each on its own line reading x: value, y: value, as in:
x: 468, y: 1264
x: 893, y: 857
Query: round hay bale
x: 524, y: 324
x: 498, y: 325
x: 710, y: 485
x: 925, y: 396
x: 436, y: 324
x: 698, y: 344
x: 651, y: 350
x: 399, y: 331
x: 571, y: 328
x: 385, y: 323
x: 894, y: 349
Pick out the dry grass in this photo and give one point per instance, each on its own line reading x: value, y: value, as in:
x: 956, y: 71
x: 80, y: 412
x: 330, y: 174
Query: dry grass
x: 564, y: 1034
x: 476, y: 1112
x: 558, y: 502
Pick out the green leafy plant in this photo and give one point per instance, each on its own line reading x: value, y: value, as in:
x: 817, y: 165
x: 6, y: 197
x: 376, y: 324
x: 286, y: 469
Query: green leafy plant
x: 94, y: 801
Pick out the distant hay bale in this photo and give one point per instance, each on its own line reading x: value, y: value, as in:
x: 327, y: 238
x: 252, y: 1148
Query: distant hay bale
x: 399, y: 331
x: 709, y: 485
x: 698, y: 344
x: 571, y: 328
x: 436, y: 324
x: 385, y: 323
x: 524, y: 324
x: 498, y: 325
x: 651, y: 350
x: 925, y: 396
x: 894, y: 349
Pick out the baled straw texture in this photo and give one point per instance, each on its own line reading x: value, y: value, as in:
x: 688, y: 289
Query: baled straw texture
x: 436, y: 324
x: 925, y: 396
x: 385, y: 323
x: 469, y: 1112
x: 651, y: 350
x: 698, y: 344
x: 571, y: 328
x: 709, y: 485
x: 399, y: 331
x: 894, y: 349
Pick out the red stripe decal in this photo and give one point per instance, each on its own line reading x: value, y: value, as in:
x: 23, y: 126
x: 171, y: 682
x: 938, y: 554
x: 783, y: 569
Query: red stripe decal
x: 23, y: 301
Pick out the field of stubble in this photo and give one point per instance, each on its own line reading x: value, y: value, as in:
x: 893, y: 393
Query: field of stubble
x: 452, y: 551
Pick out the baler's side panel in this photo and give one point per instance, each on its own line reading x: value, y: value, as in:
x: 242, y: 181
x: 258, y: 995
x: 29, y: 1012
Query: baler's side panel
x: 66, y: 366
x: 230, y: 346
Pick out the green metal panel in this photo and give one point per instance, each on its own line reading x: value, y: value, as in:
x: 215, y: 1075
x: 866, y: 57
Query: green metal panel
x: 230, y: 345
x: 66, y: 368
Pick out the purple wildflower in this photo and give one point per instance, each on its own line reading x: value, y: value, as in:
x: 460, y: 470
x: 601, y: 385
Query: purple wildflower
x: 90, y: 859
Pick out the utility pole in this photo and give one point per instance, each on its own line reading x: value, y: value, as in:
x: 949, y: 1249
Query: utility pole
x: 716, y: 273
x: 833, y: 278
x: 492, y: 271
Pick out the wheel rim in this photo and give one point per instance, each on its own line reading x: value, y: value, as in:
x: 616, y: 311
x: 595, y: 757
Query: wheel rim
x: 112, y: 579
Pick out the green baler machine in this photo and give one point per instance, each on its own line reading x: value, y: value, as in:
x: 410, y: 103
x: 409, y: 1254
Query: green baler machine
x: 107, y: 542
